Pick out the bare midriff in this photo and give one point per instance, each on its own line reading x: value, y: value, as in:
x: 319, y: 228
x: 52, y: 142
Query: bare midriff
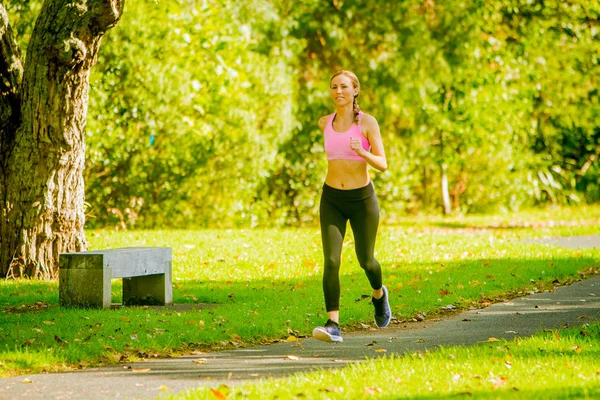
x: 347, y: 174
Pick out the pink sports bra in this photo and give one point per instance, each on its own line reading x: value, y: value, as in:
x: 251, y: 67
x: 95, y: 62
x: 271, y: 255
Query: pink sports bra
x: 337, y: 144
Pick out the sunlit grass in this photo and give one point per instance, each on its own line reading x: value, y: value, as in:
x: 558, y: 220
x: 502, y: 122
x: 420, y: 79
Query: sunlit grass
x: 551, y: 365
x: 273, y: 278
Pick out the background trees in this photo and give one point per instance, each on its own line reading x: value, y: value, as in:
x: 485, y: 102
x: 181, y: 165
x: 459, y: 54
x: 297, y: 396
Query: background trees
x: 203, y: 113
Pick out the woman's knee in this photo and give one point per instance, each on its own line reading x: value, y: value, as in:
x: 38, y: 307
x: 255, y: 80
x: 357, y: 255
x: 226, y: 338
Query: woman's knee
x: 332, y: 264
x: 370, y: 265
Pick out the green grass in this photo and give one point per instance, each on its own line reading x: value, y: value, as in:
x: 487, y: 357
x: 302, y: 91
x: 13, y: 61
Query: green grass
x: 551, y: 365
x: 273, y: 278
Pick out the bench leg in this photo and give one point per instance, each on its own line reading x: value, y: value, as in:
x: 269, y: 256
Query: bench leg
x: 85, y: 288
x: 148, y: 290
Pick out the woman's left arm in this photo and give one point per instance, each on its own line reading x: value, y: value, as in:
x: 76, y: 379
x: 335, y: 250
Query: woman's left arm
x: 375, y: 158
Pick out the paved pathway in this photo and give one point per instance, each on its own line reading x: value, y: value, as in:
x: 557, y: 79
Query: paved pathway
x: 566, y: 306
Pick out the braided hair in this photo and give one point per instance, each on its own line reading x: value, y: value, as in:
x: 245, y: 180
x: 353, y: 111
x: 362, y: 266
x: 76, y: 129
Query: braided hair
x: 356, y: 85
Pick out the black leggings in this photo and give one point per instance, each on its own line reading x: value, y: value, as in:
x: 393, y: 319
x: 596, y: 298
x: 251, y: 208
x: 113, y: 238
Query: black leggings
x: 336, y: 208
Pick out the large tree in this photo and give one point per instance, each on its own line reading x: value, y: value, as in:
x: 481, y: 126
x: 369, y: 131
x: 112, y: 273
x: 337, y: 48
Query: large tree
x: 43, y: 108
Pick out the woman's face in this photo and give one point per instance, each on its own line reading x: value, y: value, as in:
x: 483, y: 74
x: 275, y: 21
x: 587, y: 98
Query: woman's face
x: 341, y: 90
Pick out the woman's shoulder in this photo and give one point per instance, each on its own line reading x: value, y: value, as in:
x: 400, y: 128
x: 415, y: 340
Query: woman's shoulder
x: 323, y: 121
x: 367, y: 117
x: 367, y: 120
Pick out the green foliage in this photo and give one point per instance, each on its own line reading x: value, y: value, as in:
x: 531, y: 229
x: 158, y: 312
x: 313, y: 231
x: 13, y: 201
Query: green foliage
x: 205, y: 113
x: 176, y: 134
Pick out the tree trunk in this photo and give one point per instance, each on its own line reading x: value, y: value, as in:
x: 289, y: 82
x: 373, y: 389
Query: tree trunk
x: 444, y: 186
x: 43, y: 154
x: 445, y: 190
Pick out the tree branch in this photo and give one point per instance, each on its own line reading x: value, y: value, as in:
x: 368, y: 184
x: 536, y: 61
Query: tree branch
x: 11, y: 77
x: 86, y: 23
x: 106, y: 13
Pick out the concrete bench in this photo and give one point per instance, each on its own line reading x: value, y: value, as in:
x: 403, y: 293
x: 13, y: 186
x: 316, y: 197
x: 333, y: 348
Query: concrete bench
x: 85, y: 277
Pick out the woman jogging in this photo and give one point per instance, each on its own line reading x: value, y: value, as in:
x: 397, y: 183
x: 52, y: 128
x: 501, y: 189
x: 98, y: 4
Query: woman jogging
x: 352, y: 143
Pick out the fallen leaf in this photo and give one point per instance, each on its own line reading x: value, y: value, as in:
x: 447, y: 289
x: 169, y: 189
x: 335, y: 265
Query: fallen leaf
x: 200, y: 361
x: 237, y: 338
x: 218, y: 394
x: 498, y: 381
x: 381, y: 350
x: 372, y: 390
x: 140, y: 369
x: 300, y: 285
x: 420, y: 341
x: 26, y: 380
x: 292, y: 339
x: 48, y: 322
x: 493, y: 339
x: 163, y: 387
x: 293, y: 358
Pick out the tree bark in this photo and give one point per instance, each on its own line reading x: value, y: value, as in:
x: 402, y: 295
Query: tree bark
x: 445, y: 190
x: 43, y: 157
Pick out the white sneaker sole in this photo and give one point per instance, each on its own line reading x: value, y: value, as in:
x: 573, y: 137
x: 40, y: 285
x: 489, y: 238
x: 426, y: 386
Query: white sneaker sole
x: 383, y: 325
x: 322, y: 335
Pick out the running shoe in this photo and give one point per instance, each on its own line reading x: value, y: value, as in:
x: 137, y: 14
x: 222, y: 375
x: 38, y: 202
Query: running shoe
x: 383, y: 314
x: 329, y: 333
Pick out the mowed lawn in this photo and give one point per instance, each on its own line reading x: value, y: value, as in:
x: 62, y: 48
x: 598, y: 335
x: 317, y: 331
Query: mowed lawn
x: 550, y: 365
x: 243, y: 287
